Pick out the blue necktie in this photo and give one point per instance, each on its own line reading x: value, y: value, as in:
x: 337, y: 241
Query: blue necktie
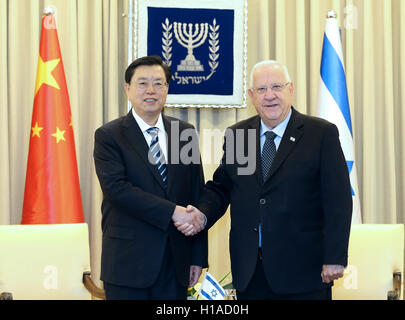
x: 157, y: 154
x: 268, y: 153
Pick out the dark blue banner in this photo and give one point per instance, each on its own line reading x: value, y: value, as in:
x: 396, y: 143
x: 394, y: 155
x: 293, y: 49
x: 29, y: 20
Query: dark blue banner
x: 198, y: 46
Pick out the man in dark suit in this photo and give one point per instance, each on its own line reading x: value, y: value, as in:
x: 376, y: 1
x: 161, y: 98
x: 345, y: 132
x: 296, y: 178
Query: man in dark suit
x: 144, y: 192
x: 290, y: 217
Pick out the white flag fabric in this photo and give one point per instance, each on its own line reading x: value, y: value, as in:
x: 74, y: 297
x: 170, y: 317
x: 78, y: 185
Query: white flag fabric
x: 211, y: 289
x: 333, y: 102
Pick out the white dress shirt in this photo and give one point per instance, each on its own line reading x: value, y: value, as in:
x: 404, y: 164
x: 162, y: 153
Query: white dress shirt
x: 278, y: 130
x: 162, y: 135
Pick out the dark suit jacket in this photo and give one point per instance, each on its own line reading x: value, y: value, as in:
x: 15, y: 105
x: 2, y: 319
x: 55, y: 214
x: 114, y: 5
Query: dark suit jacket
x: 137, y: 209
x: 304, y: 206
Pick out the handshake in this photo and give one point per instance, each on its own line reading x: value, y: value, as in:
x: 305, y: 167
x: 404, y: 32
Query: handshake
x: 189, y: 221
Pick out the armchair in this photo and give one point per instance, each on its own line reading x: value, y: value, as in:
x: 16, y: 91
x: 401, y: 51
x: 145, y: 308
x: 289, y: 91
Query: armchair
x: 375, y: 265
x: 46, y: 262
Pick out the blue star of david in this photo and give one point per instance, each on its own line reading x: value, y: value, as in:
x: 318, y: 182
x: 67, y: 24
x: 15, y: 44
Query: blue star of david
x: 350, y: 167
x: 214, y: 293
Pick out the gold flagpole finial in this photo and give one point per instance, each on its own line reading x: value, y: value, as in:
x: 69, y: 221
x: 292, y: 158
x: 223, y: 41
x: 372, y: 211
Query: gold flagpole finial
x: 331, y: 14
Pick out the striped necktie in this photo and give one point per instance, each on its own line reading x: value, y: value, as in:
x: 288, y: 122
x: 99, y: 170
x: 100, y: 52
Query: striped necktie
x: 268, y: 153
x: 157, y: 155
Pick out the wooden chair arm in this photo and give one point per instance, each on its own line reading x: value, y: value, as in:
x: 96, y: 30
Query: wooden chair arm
x: 396, y: 293
x: 91, y: 287
x: 6, y: 296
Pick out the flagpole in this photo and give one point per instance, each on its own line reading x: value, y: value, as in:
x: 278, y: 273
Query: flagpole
x: 49, y: 10
x: 331, y: 14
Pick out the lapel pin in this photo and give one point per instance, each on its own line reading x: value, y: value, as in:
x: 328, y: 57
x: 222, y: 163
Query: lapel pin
x: 292, y: 139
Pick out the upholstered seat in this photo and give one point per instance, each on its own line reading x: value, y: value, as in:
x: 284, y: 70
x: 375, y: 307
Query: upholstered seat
x: 44, y: 262
x: 375, y: 265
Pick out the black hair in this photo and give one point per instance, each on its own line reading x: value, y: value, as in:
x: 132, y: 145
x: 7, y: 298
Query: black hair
x: 147, y: 61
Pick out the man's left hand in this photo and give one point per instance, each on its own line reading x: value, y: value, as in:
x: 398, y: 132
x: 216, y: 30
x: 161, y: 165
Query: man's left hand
x: 195, y: 273
x: 331, y: 272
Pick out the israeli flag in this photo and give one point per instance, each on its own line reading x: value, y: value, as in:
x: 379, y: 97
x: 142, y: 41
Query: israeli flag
x: 211, y: 289
x: 333, y: 102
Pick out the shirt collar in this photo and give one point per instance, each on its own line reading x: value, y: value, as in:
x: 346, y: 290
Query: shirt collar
x: 144, y: 126
x: 279, y: 129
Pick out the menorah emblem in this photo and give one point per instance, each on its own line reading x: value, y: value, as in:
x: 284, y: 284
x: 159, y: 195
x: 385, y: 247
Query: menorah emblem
x: 190, y: 40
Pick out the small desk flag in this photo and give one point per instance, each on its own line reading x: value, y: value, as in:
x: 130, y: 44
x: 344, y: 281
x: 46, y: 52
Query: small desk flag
x: 211, y: 289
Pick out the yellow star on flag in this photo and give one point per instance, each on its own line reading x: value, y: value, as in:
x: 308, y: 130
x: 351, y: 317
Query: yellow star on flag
x: 59, y: 135
x: 36, y: 130
x: 44, y: 74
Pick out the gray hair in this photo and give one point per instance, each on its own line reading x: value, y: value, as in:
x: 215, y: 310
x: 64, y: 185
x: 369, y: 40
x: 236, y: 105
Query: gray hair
x: 269, y: 62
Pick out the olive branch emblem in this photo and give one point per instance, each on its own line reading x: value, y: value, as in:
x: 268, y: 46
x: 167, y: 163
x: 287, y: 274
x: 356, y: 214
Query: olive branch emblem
x: 214, y: 47
x: 167, y: 42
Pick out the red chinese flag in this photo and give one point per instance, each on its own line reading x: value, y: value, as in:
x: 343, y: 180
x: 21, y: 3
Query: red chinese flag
x: 52, y: 189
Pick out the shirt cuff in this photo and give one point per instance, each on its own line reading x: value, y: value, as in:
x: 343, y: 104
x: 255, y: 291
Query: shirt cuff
x: 205, y: 219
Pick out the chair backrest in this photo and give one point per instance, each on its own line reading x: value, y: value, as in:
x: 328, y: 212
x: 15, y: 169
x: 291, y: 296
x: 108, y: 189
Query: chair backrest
x: 376, y: 251
x: 44, y: 261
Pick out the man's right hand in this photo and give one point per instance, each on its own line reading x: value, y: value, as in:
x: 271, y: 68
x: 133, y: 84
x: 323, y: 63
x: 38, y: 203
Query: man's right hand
x: 189, y: 221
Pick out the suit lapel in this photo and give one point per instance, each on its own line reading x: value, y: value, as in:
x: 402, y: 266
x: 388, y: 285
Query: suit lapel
x: 175, y: 167
x: 136, y: 139
x: 290, y: 139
